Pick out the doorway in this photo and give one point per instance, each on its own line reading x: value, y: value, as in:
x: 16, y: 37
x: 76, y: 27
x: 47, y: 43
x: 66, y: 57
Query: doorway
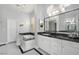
x: 11, y: 30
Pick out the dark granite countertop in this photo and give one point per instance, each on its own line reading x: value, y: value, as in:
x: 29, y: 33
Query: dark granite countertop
x: 61, y: 36
x: 28, y: 33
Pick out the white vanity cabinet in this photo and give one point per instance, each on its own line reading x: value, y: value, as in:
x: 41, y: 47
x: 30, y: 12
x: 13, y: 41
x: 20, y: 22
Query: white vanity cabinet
x: 44, y: 43
x: 27, y: 42
x: 55, y: 46
x: 27, y: 45
x: 70, y: 48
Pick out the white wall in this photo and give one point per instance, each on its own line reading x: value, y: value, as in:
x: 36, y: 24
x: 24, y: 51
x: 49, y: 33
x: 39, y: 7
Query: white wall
x: 3, y: 30
x: 40, y: 14
x: 6, y: 13
x: 26, y: 24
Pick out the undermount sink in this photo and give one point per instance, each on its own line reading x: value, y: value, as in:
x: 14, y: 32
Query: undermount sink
x: 46, y: 34
x: 73, y: 35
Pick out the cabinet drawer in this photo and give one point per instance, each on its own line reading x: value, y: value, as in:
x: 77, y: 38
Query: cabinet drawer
x: 76, y: 45
x: 67, y: 50
x: 72, y: 44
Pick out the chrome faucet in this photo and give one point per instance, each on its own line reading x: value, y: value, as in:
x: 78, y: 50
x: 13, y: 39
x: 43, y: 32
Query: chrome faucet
x: 75, y: 34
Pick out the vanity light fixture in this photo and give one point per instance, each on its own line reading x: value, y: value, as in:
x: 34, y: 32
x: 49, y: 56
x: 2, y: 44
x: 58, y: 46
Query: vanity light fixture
x: 53, y: 10
x: 70, y: 21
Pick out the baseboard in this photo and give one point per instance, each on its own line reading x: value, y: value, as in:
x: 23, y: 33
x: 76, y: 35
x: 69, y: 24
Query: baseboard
x: 2, y: 45
x: 10, y: 42
x: 7, y: 43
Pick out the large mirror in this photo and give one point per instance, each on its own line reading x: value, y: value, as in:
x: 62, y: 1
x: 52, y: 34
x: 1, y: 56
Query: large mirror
x: 51, y: 24
x: 63, y: 22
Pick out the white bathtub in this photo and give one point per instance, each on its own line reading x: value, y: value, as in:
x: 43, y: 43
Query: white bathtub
x: 27, y: 42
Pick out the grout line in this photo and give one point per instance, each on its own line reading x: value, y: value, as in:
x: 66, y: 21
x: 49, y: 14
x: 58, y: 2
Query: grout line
x: 20, y: 49
x: 38, y: 51
x: 24, y: 51
x: 29, y: 50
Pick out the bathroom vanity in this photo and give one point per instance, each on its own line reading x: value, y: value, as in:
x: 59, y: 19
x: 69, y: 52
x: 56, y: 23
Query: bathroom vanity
x: 60, y: 35
x: 58, y: 45
x: 27, y: 41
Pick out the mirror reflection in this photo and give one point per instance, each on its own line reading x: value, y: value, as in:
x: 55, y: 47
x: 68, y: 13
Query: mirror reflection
x: 67, y: 22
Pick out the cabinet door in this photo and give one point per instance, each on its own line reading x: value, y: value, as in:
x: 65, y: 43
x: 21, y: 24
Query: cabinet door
x: 70, y: 48
x: 55, y: 46
x: 40, y: 41
x: 44, y: 43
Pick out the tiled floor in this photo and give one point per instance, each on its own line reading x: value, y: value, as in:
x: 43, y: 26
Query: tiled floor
x: 32, y: 52
x: 3, y: 50
x: 12, y: 49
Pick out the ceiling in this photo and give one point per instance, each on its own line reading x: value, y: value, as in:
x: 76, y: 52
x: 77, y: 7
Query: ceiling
x: 25, y: 8
x: 16, y: 12
x: 21, y: 10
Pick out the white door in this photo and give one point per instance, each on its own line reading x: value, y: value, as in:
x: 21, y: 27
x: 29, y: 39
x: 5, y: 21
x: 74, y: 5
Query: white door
x: 11, y: 30
x: 3, y: 31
